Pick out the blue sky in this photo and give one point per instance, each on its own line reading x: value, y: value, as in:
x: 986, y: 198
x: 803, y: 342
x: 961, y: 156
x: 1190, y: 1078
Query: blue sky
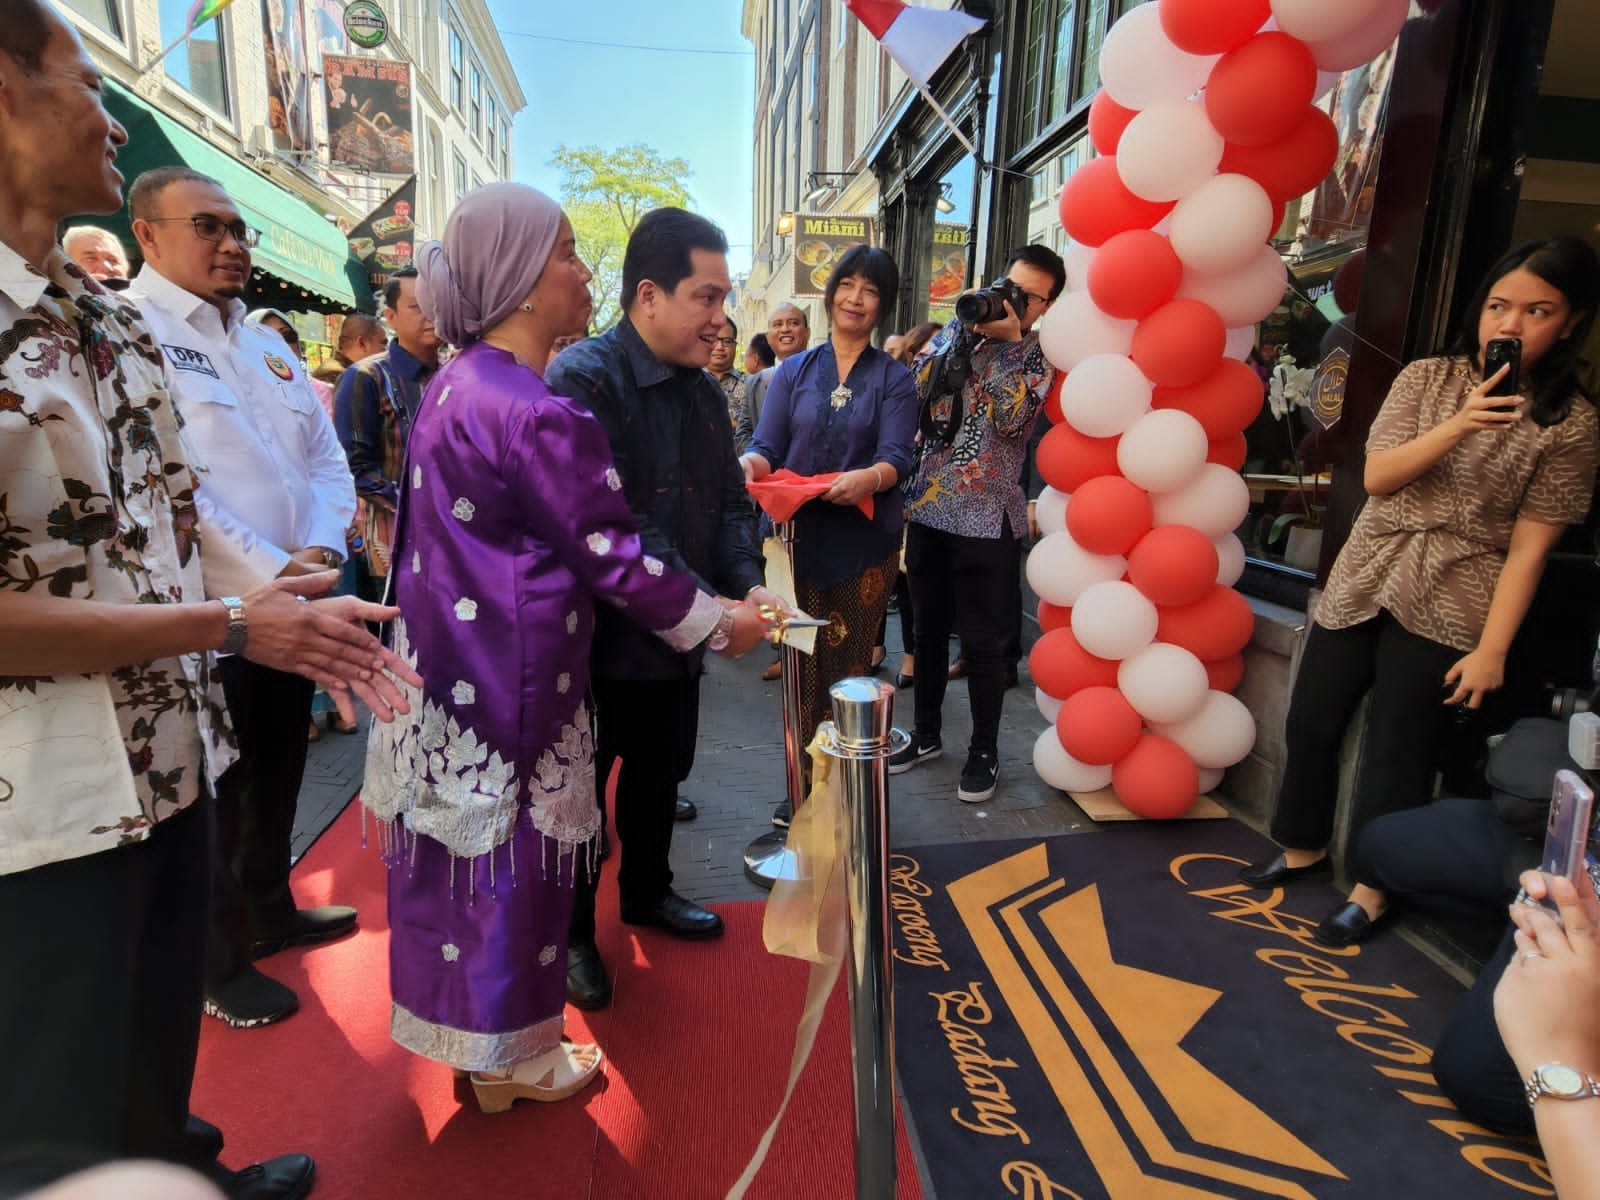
x: 692, y: 106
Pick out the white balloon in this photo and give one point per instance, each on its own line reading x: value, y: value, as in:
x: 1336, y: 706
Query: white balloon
x: 1049, y: 706
x: 1139, y: 65
x: 1222, y: 224
x: 1319, y: 21
x: 1163, y: 682
x: 1363, y: 43
x: 1074, y: 329
x: 1051, y: 511
x: 1059, y: 569
x: 1168, y: 151
x: 1240, y: 342
x: 1162, y: 450
x: 1230, y: 558
x: 1113, y: 620
x: 1241, y: 297
x: 1077, y: 259
x: 1214, y: 502
x: 1060, y: 770
x: 1209, y: 777
x: 1105, y: 394
x: 1219, y: 734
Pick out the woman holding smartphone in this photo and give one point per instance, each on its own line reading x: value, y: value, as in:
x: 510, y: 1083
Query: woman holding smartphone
x: 1467, y: 496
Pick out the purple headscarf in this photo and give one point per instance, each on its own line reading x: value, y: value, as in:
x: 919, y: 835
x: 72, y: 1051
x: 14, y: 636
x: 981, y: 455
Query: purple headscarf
x: 495, y: 246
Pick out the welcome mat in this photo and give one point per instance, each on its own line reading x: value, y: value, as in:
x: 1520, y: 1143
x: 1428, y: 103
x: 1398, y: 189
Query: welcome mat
x: 1111, y: 1016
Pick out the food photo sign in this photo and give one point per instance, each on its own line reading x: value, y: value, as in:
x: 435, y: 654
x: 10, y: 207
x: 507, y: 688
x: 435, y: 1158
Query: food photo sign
x: 820, y: 241
x: 947, y: 277
x: 385, y: 241
x: 369, y: 114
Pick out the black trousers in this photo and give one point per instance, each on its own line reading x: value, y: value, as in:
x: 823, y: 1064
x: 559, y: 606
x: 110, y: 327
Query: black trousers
x: 649, y: 726
x: 100, y: 1009
x: 255, y: 811
x: 969, y: 583
x: 1407, y: 722
x: 1454, y: 857
x: 1470, y: 1062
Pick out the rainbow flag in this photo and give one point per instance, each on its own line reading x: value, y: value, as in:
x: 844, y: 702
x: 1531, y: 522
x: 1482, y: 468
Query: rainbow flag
x: 202, y: 11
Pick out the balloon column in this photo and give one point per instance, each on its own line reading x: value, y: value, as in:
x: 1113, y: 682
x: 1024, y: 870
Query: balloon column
x: 1206, y: 128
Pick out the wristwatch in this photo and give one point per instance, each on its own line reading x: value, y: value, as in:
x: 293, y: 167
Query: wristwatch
x: 1560, y: 1082
x: 331, y: 559
x: 722, y: 634
x: 237, y: 630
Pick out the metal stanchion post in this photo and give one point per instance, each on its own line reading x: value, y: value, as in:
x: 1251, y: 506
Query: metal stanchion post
x: 767, y: 859
x: 861, y: 737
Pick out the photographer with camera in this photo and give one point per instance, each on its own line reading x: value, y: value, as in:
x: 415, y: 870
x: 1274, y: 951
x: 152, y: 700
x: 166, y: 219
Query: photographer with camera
x: 980, y: 383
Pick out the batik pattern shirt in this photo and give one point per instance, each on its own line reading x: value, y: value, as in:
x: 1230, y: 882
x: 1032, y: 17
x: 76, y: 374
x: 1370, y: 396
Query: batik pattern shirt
x: 98, y: 503
x: 1431, y: 553
x: 972, y: 486
x: 732, y: 385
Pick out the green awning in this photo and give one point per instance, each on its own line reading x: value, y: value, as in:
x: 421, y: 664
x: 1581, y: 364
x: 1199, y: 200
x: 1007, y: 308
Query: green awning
x: 299, y: 247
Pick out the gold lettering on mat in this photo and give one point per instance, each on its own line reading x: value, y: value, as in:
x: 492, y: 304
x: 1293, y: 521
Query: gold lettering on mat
x: 1358, y: 1020
x: 992, y: 1111
x: 1029, y: 1181
x: 906, y: 894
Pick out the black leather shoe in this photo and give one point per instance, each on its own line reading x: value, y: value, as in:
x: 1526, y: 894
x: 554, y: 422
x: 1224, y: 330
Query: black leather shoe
x: 1344, y: 926
x: 287, y: 1177
x: 250, y: 999
x: 1274, y: 872
x: 905, y: 681
x: 587, y: 985
x: 679, y: 916
x: 307, y: 927
x: 684, y: 810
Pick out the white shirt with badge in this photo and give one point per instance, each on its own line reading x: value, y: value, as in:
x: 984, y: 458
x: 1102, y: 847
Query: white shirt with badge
x: 272, y: 463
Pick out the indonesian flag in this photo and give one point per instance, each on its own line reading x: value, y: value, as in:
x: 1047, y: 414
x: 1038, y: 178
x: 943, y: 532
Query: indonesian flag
x: 919, y: 39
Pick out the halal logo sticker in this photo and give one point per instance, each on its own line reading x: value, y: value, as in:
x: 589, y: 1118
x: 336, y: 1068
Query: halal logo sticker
x: 279, y: 368
x: 365, y: 24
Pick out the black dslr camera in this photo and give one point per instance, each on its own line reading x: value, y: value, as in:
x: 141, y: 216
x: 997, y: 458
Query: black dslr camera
x: 990, y: 304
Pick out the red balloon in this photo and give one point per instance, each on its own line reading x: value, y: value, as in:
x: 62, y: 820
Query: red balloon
x: 1225, y: 674
x: 1067, y: 459
x: 1052, y: 617
x: 1097, y: 725
x: 1107, y: 120
x: 1096, y: 205
x: 1109, y: 514
x: 1172, y: 564
x: 1293, y: 165
x: 1258, y: 93
x: 1224, y: 402
x: 1134, y: 274
x: 1052, y: 398
x: 1179, y: 344
x: 1156, y: 779
x: 1061, y: 667
x: 1228, y: 451
x: 1207, y: 27
x: 1218, y: 624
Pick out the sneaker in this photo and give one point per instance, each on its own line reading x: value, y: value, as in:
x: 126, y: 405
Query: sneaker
x: 915, y: 751
x: 978, y: 778
x: 249, y: 1000
x: 783, y: 814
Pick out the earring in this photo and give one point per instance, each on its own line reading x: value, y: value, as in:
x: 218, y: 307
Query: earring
x: 527, y: 308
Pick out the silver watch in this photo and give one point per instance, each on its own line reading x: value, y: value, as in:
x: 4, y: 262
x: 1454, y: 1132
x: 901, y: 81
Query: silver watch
x: 722, y: 634
x: 238, y: 631
x: 1560, y: 1082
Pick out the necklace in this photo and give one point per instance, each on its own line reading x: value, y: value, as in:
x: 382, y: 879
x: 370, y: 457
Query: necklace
x: 840, y: 396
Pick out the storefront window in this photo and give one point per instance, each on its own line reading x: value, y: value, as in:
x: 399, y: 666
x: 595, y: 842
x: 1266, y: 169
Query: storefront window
x: 102, y: 13
x: 1061, y: 58
x: 952, y: 235
x: 199, y: 64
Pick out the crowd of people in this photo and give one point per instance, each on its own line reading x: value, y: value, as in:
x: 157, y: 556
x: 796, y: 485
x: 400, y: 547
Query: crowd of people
x: 514, y: 543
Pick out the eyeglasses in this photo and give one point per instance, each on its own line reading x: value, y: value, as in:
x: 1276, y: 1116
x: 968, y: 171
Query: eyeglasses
x: 1032, y: 299
x: 210, y: 229
x: 727, y: 342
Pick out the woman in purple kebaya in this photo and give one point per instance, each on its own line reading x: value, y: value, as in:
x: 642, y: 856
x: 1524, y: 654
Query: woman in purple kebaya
x: 512, y: 525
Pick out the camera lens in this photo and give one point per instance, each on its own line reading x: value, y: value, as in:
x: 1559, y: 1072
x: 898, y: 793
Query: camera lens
x: 978, y: 307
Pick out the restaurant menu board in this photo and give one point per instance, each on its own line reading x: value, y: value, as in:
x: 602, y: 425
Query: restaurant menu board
x: 369, y: 114
x: 947, y: 278
x: 820, y: 241
x: 386, y: 240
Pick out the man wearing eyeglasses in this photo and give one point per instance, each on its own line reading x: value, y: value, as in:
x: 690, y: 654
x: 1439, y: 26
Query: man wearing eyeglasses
x: 275, y: 467
x: 966, y: 514
x: 729, y: 378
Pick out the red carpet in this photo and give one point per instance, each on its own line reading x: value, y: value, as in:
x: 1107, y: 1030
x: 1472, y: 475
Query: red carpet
x: 697, y: 1041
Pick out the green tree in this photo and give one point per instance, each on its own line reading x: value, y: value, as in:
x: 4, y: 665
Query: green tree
x: 605, y: 192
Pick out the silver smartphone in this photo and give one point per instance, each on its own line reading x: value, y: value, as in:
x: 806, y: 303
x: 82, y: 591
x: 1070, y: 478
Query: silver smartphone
x: 1566, y: 833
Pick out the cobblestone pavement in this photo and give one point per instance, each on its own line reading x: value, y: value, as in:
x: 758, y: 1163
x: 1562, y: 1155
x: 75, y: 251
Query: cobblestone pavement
x: 738, y: 778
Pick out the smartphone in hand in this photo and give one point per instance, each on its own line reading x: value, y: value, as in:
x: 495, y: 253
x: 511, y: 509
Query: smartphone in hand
x: 1498, y: 353
x: 1566, y: 837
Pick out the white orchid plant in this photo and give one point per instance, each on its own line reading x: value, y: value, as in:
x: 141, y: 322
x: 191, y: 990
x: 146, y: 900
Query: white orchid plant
x: 1289, y: 389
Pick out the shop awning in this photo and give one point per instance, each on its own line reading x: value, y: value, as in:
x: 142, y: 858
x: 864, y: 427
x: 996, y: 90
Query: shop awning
x: 304, y: 254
